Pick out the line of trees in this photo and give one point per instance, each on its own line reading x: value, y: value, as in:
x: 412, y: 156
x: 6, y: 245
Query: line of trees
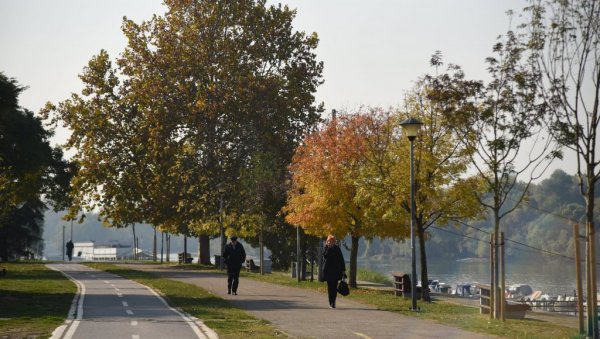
x: 214, y: 100
x: 32, y: 175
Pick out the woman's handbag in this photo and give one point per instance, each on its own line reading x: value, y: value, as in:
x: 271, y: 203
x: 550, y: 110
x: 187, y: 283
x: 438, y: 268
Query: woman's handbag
x: 342, y: 287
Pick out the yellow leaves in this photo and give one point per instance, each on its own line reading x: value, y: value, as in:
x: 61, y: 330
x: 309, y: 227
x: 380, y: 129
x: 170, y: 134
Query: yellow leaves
x: 200, y: 104
x: 323, y: 196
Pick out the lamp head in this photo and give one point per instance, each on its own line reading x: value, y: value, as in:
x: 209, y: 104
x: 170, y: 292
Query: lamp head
x: 411, y: 127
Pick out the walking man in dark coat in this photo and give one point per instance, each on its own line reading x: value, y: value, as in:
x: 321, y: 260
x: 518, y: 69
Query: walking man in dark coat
x: 333, y: 268
x: 70, y: 247
x: 235, y: 256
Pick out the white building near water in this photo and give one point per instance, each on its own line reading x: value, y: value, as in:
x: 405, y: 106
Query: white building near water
x: 90, y: 251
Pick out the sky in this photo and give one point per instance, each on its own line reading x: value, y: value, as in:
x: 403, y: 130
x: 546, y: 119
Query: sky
x: 373, y: 51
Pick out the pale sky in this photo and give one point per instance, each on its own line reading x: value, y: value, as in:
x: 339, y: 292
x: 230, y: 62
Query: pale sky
x: 373, y: 50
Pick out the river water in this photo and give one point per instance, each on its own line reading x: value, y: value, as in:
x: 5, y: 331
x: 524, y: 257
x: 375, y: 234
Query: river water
x: 551, y: 277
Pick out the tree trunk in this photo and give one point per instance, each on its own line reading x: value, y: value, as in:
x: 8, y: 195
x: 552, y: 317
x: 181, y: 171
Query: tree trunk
x: 184, y: 256
x: 168, y: 247
x: 353, y: 262
x: 154, y: 246
x: 496, y: 288
x: 4, y: 254
x: 424, y: 276
x: 593, y: 297
x: 204, y: 242
x: 261, y: 254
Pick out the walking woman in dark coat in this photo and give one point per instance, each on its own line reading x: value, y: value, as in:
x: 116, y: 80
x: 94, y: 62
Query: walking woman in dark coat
x: 333, y: 268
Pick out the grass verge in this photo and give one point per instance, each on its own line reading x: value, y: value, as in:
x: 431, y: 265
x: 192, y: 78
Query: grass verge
x: 374, y: 277
x: 34, y: 300
x: 218, y: 314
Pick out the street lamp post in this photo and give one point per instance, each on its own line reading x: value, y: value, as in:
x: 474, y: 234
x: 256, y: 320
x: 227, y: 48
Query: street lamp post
x: 222, y: 230
x: 411, y: 127
x: 221, y: 190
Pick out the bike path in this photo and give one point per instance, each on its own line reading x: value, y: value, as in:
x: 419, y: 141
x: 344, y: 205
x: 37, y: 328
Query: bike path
x: 304, y: 313
x: 109, y: 306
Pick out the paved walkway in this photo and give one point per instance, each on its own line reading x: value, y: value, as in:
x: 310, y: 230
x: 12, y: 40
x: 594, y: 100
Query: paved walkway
x: 109, y: 306
x: 304, y: 313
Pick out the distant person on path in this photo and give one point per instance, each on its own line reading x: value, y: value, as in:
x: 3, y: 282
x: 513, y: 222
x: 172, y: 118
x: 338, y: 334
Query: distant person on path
x: 70, y: 249
x: 235, y: 256
x: 333, y: 268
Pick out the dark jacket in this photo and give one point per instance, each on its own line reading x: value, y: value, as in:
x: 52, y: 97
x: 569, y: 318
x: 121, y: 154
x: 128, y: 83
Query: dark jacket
x: 234, y: 256
x: 333, y: 263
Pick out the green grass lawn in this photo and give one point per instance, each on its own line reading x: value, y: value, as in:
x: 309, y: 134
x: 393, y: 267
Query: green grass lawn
x: 34, y: 300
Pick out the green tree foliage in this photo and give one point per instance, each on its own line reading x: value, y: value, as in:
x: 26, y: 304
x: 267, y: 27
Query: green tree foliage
x: 325, y: 170
x: 199, y: 98
x: 494, y: 121
x: 565, y: 39
x: 440, y: 162
x: 31, y: 172
x: 442, y: 193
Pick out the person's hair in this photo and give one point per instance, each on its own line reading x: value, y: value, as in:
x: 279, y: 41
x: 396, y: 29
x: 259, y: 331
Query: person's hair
x: 331, y: 236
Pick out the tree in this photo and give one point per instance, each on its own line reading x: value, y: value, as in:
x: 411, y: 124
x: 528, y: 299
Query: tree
x: 442, y: 193
x: 325, y: 171
x: 31, y: 171
x: 494, y: 122
x: 197, y: 97
x: 565, y: 39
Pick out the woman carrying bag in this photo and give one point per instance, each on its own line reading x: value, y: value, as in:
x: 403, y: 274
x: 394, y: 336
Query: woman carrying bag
x: 334, y: 268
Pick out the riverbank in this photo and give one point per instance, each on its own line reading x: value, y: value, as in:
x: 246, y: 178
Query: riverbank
x: 554, y: 318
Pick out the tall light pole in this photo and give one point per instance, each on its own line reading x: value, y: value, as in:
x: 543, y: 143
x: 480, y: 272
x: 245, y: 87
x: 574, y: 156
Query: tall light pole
x: 298, y: 253
x: 411, y: 127
x: 220, y: 189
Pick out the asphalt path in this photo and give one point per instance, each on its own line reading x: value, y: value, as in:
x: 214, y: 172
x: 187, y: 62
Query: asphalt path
x: 109, y: 306
x: 303, y: 313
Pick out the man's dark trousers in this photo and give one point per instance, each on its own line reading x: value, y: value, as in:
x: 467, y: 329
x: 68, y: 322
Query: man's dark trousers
x: 233, y: 278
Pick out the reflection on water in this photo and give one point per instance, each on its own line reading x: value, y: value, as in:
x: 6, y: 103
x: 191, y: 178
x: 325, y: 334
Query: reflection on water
x: 553, y: 278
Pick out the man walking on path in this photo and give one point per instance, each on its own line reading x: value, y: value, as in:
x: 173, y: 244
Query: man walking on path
x: 70, y: 247
x: 235, y: 256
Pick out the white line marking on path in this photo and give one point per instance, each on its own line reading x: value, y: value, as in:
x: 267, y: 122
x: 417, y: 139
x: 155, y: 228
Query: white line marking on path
x: 75, y: 312
x: 130, y: 312
x: 120, y: 295
x: 125, y: 303
x: 135, y: 336
x: 106, y: 281
x: 362, y: 335
x: 133, y: 323
x: 199, y: 328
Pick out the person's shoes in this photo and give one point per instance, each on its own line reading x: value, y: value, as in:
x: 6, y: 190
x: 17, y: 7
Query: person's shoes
x: 228, y: 292
x: 332, y: 305
x: 234, y: 293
